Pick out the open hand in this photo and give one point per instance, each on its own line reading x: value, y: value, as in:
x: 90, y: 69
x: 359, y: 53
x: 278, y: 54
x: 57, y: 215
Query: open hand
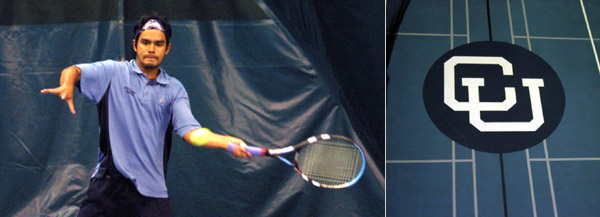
x: 65, y: 92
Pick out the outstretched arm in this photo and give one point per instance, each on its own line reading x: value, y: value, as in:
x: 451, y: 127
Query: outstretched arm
x: 205, y: 138
x: 68, y: 78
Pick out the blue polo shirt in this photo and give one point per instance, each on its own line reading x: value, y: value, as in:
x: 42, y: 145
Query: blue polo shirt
x: 140, y: 114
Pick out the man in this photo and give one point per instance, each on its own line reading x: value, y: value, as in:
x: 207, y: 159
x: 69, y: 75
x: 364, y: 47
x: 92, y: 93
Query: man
x: 139, y: 105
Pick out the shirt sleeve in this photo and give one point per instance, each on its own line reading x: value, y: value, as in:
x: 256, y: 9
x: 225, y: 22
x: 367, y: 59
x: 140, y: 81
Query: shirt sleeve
x: 95, y: 78
x: 183, y: 120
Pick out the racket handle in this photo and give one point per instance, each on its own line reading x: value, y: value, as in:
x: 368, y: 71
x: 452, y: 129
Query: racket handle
x: 255, y: 151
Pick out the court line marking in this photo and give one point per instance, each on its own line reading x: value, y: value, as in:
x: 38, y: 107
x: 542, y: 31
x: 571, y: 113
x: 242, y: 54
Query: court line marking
x: 531, y: 189
x: 531, y: 183
x: 512, y: 33
x: 587, y: 24
x: 512, y: 37
x: 545, y: 144
x: 453, y: 178
x: 467, y: 15
x: 475, y: 203
x: 429, y: 34
x: 451, y: 24
x: 550, y: 180
x: 556, y: 38
x: 474, y: 184
x: 453, y: 143
x: 526, y: 25
x: 566, y: 159
x: 548, y: 163
x: 429, y: 161
x: 575, y: 159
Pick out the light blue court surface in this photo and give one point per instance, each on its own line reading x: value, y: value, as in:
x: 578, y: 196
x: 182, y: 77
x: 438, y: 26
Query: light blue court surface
x: 430, y: 175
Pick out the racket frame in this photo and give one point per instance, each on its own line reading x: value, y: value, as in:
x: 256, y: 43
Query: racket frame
x: 259, y: 151
x: 276, y: 152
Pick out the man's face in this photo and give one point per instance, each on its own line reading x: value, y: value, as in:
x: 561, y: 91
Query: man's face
x: 151, y: 48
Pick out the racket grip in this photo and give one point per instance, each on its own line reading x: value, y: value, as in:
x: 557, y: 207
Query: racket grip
x: 255, y: 151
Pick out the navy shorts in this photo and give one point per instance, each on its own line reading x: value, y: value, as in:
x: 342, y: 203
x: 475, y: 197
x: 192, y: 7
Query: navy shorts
x: 111, y: 194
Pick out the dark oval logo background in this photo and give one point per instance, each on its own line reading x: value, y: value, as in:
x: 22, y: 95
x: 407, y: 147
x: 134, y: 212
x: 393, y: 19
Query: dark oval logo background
x: 525, y: 64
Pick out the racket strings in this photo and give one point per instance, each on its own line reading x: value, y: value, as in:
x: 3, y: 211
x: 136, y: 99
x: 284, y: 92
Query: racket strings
x: 330, y: 162
x: 338, y: 167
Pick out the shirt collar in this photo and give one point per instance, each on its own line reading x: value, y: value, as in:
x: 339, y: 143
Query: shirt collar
x: 162, y: 77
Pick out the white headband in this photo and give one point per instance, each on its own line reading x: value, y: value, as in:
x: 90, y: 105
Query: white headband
x: 153, y: 24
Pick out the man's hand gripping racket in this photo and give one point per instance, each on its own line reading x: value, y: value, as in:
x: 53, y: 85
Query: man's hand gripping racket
x: 326, y: 161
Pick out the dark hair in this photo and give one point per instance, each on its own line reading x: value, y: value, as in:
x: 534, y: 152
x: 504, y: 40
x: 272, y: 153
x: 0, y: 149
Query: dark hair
x: 161, y: 19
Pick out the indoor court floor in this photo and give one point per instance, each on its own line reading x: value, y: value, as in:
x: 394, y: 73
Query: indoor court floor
x: 428, y: 174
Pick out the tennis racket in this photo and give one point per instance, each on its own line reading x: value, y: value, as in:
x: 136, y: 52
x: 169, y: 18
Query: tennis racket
x: 326, y: 161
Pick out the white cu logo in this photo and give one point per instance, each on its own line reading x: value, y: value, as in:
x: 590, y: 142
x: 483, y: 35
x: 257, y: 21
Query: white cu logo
x: 474, y: 106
